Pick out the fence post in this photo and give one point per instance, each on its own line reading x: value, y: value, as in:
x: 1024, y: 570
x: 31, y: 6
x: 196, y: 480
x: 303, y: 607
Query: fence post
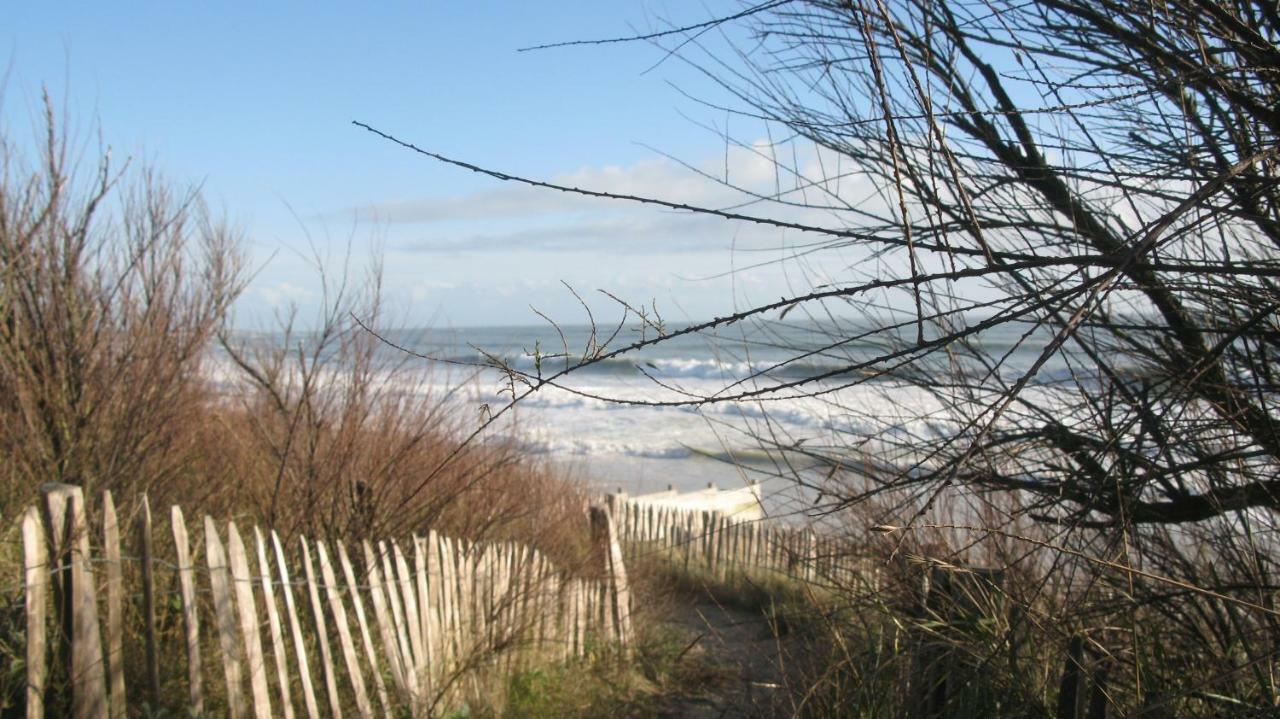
x: 35, y: 560
x: 220, y: 584
x: 190, y: 616
x: 322, y: 631
x: 242, y: 586
x: 349, y: 657
x: 619, y: 592
x: 412, y: 617
x: 295, y: 628
x: 811, y: 561
x: 930, y: 698
x: 707, y: 539
x: 1072, y: 692
x: 951, y: 598
x: 381, y: 615
x: 353, y: 588
x: 1099, y: 702
x: 426, y: 618
x: 145, y: 550
x: 115, y: 605
x: 451, y: 571
x: 1081, y: 693
x: 438, y: 600
x: 273, y: 621
x: 397, y: 620
x: 78, y: 605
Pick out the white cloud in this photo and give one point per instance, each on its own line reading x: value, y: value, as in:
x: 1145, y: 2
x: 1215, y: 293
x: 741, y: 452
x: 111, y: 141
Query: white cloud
x: 283, y: 294
x: 487, y: 256
x: 514, y: 216
x: 423, y: 290
x: 627, y: 232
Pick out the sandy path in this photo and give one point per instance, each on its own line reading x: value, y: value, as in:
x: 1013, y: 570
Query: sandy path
x: 741, y: 646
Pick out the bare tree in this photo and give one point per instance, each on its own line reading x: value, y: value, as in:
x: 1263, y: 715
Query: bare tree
x: 111, y: 286
x: 1073, y: 249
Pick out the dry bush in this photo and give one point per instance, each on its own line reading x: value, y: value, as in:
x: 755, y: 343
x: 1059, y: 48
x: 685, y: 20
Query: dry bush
x: 991, y: 610
x: 111, y: 287
x: 118, y: 371
x: 335, y: 434
x: 1056, y: 258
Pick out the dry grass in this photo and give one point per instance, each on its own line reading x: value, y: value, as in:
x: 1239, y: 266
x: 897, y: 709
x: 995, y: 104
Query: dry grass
x: 114, y: 296
x: 118, y: 371
x: 1180, y: 636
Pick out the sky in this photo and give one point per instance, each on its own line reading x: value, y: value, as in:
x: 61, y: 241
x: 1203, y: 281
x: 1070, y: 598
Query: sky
x: 254, y: 103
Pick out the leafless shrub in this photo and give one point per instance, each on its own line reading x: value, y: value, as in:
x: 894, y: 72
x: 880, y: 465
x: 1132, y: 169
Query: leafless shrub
x: 337, y: 436
x: 111, y: 286
x: 1092, y: 187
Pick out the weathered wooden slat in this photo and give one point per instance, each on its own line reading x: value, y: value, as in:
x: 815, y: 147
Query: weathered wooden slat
x: 619, y: 591
x: 730, y: 543
x: 757, y: 556
x: 225, y: 613
x: 811, y: 549
x: 472, y: 573
x: 482, y: 595
x: 460, y: 588
x: 146, y: 555
x: 349, y: 657
x: 708, y: 542
x: 383, y: 616
x: 322, y: 632
x: 581, y: 617
x: 115, y: 605
x: 529, y: 625
x: 522, y: 605
x: 563, y: 634
x: 273, y: 620
x: 723, y: 556
x: 450, y: 599
x: 558, y: 617
x: 502, y: 606
x: 190, y: 613
x: 242, y: 585
x: 554, y: 628
x: 600, y: 614
x: 527, y: 583
x: 295, y: 629
x: 438, y: 628
x: 35, y: 560
x: 493, y: 592
x: 544, y: 592
x: 450, y: 626
x: 65, y: 511
x: 394, y: 600
x: 566, y: 616
x: 425, y: 623
x: 371, y: 654
x: 411, y: 616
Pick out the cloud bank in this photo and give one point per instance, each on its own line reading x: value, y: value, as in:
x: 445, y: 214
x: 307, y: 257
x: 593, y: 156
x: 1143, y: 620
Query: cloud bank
x: 518, y: 217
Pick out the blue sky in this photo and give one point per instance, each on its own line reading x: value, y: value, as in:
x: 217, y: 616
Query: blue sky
x: 253, y: 101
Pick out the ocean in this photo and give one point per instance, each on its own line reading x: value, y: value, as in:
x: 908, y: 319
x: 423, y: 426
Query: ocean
x: 600, y: 420
x: 658, y: 416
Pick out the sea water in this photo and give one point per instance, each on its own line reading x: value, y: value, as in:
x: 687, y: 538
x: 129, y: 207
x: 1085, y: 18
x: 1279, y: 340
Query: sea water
x: 708, y: 408
x: 698, y: 409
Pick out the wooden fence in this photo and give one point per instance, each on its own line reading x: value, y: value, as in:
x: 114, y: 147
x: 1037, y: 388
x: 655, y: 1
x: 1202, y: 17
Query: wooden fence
x: 724, y: 544
x: 374, y: 629
x: 727, y: 543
